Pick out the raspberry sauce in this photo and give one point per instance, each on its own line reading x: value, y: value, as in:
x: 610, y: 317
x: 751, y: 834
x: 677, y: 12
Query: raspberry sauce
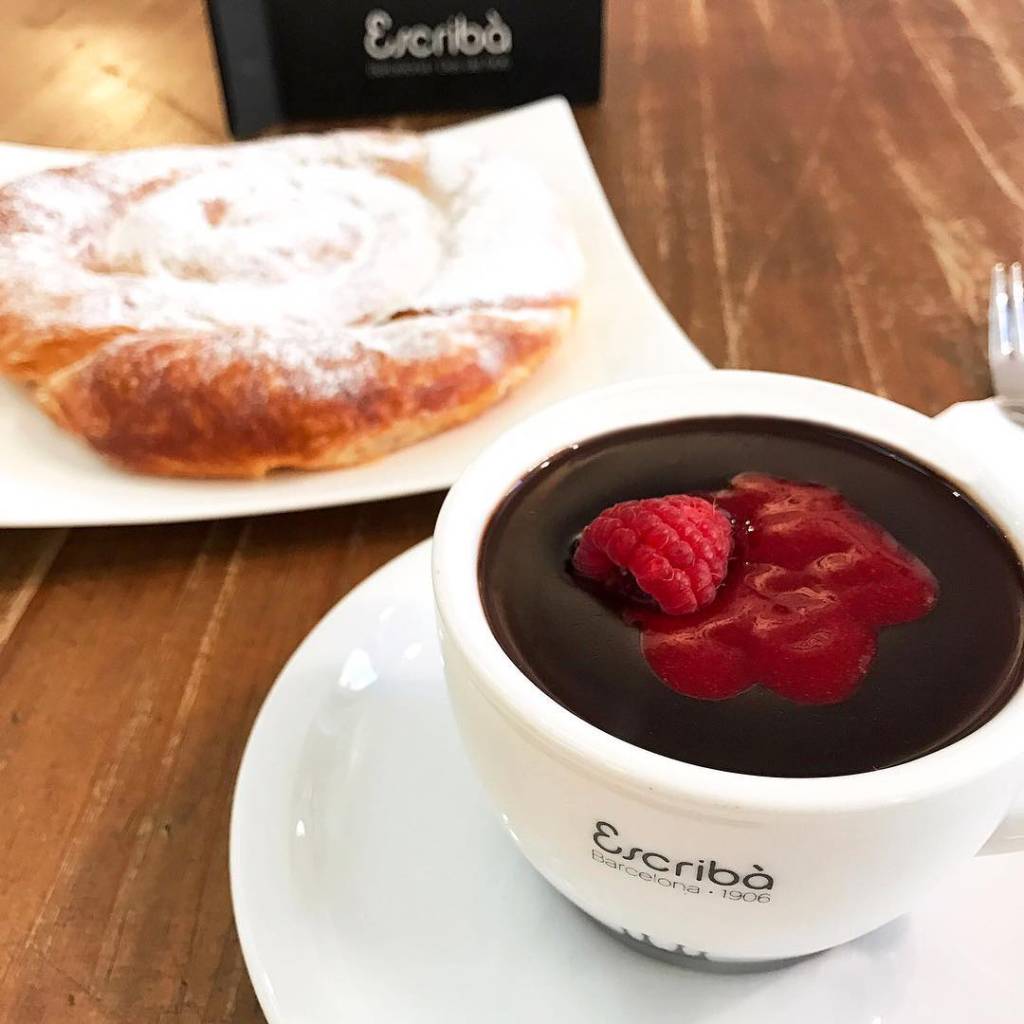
x: 810, y: 583
x: 870, y: 613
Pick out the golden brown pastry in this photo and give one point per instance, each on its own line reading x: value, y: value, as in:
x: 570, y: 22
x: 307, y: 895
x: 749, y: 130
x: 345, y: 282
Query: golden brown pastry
x: 308, y: 301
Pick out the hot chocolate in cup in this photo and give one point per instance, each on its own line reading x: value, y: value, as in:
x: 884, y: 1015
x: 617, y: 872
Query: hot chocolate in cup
x: 743, y: 858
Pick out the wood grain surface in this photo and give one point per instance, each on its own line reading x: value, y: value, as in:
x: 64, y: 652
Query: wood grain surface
x: 813, y: 187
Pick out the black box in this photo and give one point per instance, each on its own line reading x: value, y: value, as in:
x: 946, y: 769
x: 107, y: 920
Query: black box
x: 287, y: 61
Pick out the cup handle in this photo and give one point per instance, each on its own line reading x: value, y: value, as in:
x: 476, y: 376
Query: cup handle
x: 1009, y: 834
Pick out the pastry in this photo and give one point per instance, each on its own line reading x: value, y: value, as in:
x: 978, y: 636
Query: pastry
x: 306, y: 301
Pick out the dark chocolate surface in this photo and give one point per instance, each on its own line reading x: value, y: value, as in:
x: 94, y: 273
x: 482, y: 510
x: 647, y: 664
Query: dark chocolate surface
x: 932, y: 681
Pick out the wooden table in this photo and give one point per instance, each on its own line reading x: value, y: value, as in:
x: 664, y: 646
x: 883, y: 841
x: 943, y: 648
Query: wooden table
x: 819, y: 188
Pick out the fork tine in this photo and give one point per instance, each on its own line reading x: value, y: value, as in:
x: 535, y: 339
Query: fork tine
x: 1016, y: 310
x: 998, y: 332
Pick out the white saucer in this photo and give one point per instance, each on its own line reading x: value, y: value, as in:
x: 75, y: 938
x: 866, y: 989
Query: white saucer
x: 371, y: 882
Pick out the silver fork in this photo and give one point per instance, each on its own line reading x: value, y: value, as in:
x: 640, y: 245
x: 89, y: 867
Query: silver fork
x: 1006, y: 340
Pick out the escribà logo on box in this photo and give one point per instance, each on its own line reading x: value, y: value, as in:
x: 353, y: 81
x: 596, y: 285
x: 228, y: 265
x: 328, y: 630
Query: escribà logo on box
x: 456, y: 44
x: 689, y: 876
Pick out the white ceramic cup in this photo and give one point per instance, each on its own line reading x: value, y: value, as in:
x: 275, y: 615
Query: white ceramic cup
x: 773, y: 868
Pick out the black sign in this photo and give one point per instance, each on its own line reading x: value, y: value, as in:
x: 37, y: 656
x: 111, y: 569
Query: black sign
x: 283, y: 61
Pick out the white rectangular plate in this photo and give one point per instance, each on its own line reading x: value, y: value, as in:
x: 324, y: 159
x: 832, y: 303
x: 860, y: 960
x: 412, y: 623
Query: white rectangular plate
x: 49, y: 478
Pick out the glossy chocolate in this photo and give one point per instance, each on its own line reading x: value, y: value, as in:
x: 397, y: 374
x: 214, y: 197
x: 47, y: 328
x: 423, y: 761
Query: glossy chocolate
x: 931, y: 682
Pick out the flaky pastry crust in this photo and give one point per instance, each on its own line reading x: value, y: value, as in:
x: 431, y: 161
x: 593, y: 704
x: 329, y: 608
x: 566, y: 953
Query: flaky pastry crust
x: 305, y: 302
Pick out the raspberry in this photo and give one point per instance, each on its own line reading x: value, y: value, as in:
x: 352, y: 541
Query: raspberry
x: 673, y: 551
x: 811, y: 583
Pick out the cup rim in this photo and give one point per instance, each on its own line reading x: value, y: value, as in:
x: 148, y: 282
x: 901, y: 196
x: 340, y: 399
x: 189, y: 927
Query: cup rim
x: 494, y: 473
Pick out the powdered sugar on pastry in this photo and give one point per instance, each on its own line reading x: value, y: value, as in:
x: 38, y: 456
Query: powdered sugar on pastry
x: 262, y: 234
x: 344, y: 251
